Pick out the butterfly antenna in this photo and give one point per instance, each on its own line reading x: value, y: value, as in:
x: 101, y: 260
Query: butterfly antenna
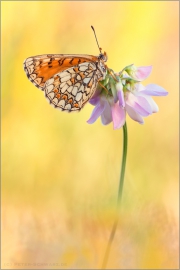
x: 100, y: 49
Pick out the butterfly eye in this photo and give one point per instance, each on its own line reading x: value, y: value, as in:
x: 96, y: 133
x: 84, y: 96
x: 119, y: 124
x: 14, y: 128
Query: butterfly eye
x: 103, y: 68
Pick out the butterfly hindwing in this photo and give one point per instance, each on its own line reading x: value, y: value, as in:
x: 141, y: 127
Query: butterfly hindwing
x: 71, y: 89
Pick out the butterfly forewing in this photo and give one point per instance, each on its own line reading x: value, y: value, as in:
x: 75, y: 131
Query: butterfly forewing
x: 68, y: 81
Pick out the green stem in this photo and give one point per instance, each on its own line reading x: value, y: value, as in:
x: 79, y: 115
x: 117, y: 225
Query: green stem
x: 120, y: 190
x: 123, y: 166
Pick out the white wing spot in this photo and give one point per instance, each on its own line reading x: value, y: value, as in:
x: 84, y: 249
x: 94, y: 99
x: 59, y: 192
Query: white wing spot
x: 64, y: 88
x: 29, y: 63
x: 89, y: 75
x: 86, y: 80
x: 51, y: 95
x: 37, y: 63
x: 62, y: 84
x: 68, y: 107
x: 69, y: 82
x: 70, y: 89
x: 50, y: 81
x: 66, y: 78
x: 81, y: 89
x: 71, y: 70
x: 49, y: 88
x: 45, y: 60
x: 38, y: 80
x: 83, y: 68
x: 29, y: 59
x: 77, y: 85
x: 61, y: 102
x: 33, y: 76
x: 55, y: 101
x: 30, y: 69
x: 74, y: 91
x: 79, y: 96
x: 64, y: 74
x: 91, y: 66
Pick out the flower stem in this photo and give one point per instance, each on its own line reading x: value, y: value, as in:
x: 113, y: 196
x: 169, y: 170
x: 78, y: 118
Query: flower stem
x: 120, y: 190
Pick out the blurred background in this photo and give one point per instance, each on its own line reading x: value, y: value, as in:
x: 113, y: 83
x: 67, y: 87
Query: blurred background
x: 60, y: 175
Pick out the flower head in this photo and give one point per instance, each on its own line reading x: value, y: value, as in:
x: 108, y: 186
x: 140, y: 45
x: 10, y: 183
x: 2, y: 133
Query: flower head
x: 120, y: 93
x: 138, y: 73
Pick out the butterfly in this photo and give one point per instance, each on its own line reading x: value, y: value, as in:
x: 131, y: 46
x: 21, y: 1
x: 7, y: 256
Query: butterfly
x: 69, y: 81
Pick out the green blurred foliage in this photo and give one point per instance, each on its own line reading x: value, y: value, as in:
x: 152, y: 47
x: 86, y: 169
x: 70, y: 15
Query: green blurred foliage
x: 60, y: 175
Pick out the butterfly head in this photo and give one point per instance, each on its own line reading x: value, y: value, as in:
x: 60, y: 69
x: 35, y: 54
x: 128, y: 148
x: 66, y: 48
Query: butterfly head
x: 103, y: 57
x: 101, y: 65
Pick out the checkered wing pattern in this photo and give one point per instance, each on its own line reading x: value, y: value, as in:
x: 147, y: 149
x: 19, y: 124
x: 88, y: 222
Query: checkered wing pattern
x: 68, y: 81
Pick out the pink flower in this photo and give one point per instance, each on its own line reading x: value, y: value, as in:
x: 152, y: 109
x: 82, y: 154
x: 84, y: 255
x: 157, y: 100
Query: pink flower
x: 126, y: 95
x: 108, y: 110
x: 139, y: 103
x: 138, y: 73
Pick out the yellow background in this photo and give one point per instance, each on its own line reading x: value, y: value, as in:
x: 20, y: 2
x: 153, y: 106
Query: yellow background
x: 60, y: 175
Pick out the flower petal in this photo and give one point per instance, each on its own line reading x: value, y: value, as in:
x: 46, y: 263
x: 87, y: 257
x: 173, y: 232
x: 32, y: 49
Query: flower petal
x: 139, y: 104
x: 142, y: 72
x: 94, y: 101
x: 139, y: 87
x: 134, y: 115
x: 118, y: 116
x: 121, y: 98
x: 138, y: 73
x: 98, y: 110
x: 119, y: 86
x: 106, y: 116
x: 154, y: 90
x: 152, y: 103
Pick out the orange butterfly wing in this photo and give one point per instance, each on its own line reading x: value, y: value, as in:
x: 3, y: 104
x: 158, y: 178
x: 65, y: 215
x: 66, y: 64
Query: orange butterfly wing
x: 68, y: 81
x: 42, y: 67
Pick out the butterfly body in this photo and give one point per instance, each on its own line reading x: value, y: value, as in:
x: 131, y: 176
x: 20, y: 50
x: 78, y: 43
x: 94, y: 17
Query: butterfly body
x: 68, y: 81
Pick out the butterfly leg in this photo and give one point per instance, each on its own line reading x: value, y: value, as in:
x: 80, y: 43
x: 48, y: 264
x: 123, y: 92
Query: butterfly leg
x: 103, y: 87
x: 112, y: 74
